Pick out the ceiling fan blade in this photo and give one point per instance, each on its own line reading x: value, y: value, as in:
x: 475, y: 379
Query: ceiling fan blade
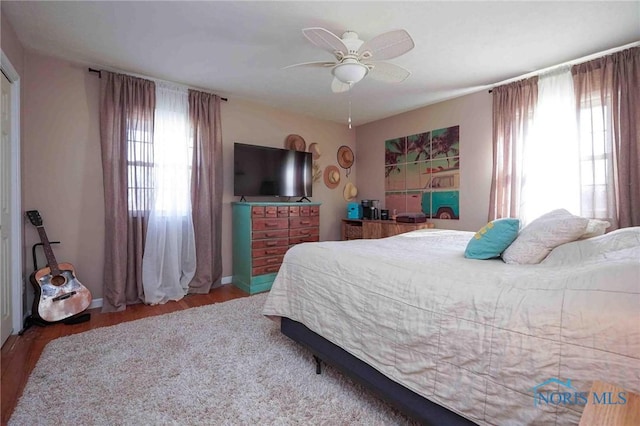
x: 326, y: 40
x: 320, y: 64
x: 338, y: 87
x: 387, y: 45
x: 390, y: 73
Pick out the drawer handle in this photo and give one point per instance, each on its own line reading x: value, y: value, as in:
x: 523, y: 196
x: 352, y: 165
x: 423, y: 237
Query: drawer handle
x: 270, y: 224
x: 274, y: 260
x: 273, y: 268
x: 270, y: 235
x: 306, y: 233
x: 272, y: 243
x: 305, y: 222
x: 271, y: 252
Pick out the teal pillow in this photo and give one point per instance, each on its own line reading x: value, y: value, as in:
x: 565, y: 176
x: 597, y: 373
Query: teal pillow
x: 492, y: 239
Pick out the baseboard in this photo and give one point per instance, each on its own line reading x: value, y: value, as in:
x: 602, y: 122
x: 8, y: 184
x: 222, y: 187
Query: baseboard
x: 97, y: 303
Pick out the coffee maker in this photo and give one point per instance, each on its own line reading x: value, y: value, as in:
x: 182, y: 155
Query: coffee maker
x: 371, y: 209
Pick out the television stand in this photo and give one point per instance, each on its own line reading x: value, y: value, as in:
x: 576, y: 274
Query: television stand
x: 262, y: 232
x: 302, y: 199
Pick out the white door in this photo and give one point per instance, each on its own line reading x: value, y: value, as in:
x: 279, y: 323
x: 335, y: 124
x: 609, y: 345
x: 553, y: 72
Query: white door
x: 6, y: 298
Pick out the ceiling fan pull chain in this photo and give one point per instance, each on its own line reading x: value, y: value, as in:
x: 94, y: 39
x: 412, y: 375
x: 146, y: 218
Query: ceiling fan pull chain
x: 349, y: 108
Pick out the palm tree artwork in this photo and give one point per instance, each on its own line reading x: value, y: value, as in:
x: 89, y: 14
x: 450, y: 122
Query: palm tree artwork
x: 418, y: 147
x: 394, y: 154
x: 424, y: 165
x: 445, y: 143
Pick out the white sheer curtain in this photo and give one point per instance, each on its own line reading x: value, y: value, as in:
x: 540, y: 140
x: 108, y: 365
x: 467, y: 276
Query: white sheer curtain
x: 552, y: 151
x: 169, y: 260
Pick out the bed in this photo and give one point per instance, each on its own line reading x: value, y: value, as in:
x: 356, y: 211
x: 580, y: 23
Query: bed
x: 457, y: 340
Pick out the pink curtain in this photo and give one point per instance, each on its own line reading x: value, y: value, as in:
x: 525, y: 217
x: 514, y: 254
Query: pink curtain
x: 206, y: 189
x: 513, y: 108
x: 609, y: 87
x: 127, y: 107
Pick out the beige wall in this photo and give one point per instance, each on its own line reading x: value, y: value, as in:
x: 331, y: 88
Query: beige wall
x: 62, y: 173
x: 473, y: 114
x: 61, y: 169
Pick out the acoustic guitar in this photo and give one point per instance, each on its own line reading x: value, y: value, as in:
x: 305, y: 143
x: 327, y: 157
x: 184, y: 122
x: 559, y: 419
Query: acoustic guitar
x: 58, y: 293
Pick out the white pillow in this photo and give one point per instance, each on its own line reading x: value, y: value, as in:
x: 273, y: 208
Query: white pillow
x: 595, y: 228
x: 596, y: 248
x: 536, y: 240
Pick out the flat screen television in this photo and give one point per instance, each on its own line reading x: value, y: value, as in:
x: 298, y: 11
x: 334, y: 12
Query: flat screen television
x: 275, y: 172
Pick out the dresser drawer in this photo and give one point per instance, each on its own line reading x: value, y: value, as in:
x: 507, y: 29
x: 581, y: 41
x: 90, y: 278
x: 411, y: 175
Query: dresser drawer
x: 304, y: 232
x: 304, y: 239
x: 270, y: 223
x: 304, y: 210
x: 268, y: 251
x: 270, y: 211
x: 304, y: 221
x: 257, y: 211
x: 267, y: 261
x: 276, y: 242
x: 275, y: 233
x: 265, y: 211
x: 283, y: 211
x: 261, y: 270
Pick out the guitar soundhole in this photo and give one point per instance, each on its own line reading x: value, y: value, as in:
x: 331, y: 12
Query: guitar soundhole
x: 58, y: 280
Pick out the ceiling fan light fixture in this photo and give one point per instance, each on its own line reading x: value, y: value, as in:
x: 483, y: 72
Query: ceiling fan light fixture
x: 350, y: 71
x: 355, y: 59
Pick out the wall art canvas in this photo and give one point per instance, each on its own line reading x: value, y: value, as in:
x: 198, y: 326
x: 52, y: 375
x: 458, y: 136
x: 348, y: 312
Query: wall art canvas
x: 422, y: 173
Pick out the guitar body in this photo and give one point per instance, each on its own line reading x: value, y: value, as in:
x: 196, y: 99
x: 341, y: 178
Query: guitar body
x: 58, y: 297
x: 58, y: 293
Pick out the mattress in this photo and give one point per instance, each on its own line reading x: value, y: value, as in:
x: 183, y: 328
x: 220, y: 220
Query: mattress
x: 482, y: 338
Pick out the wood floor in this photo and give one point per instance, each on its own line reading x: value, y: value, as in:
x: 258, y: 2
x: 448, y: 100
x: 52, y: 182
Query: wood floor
x: 20, y: 353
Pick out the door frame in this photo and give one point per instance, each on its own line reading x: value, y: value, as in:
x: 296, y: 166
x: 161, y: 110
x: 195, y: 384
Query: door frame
x: 16, y: 197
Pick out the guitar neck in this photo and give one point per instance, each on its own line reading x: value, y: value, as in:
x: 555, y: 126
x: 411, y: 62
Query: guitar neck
x: 48, y: 251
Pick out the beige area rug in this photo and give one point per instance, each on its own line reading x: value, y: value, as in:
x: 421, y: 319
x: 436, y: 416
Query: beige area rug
x: 222, y: 364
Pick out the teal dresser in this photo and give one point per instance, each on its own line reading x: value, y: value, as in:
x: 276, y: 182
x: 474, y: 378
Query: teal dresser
x: 262, y: 234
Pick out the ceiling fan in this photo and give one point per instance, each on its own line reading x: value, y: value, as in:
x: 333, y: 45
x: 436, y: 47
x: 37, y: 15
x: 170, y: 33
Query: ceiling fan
x: 356, y: 59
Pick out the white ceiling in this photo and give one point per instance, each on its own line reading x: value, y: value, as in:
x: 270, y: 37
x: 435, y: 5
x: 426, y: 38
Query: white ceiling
x: 237, y: 49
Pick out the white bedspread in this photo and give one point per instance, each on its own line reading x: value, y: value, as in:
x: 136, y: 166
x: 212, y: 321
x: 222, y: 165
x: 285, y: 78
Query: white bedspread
x: 475, y: 336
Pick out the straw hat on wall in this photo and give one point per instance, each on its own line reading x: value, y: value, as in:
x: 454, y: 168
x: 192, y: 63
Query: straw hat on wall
x: 331, y: 176
x: 295, y: 142
x: 350, y: 192
x: 314, y: 149
x: 345, y: 157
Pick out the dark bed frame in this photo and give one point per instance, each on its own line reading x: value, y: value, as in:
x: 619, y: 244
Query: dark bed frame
x: 405, y: 400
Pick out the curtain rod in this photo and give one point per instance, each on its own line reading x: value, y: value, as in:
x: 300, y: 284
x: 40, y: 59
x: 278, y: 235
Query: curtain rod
x: 572, y: 62
x: 99, y: 72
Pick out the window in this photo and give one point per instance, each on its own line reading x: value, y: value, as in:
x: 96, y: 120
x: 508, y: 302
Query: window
x: 596, y: 158
x: 606, y: 170
x: 139, y: 170
x: 159, y: 162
